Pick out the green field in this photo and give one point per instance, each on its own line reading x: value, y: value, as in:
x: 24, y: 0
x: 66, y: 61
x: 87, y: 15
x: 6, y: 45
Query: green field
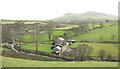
x: 95, y: 35
x: 42, y: 37
x: 41, y: 47
x: 46, y: 47
x: 105, y: 32
x: 109, y: 48
x: 104, y: 24
x: 15, y: 62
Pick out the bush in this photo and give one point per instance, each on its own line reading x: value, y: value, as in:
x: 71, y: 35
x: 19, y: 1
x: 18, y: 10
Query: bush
x: 109, y: 57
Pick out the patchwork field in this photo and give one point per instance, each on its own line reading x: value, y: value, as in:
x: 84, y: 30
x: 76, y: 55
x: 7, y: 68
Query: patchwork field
x: 106, y: 33
x: 46, y: 47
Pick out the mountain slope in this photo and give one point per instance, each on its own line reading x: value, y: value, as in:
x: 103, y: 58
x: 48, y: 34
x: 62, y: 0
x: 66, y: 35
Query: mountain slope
x: 85, y: 17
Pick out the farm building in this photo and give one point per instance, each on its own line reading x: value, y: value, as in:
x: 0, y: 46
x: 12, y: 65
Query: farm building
x: 60, y: 45
x: 59, y: 41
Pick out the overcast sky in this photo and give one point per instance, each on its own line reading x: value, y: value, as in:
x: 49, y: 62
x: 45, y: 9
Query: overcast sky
x: 49, y: 9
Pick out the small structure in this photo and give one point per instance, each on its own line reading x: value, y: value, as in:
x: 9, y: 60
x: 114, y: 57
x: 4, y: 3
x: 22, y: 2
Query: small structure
x: 57, y: 49
x: 9, y: 45
x: 59, y: 45
x: 72, y: 41
x: 70, y: 52
x: 59, y: 41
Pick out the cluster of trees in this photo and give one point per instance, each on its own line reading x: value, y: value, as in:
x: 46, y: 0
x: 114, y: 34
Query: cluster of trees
x: 113, y: 36
x: 13, y: 33
x: 82, y: 28
x: 80, y: 53
x: 84, y: 52
x: 48, y: 28
x: 107, y: 57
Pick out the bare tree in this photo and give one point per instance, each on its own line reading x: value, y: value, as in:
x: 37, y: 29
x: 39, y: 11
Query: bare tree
x: 36, y: 37
x: 110, y: 57
x: 93, y: 25
x: 102, y: 54
x: 67, y: 34
x: 113, y: 37
x: 75, y: 30
x: 49, y: 28
x: 101, y: 25
x: 83, y: 28
x: 83, y: 51
x: 19, y: 28
x: 101, y: 38
x: 8, y: 33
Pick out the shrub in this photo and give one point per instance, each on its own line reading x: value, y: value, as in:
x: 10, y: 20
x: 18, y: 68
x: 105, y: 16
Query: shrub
x: 109, y: 57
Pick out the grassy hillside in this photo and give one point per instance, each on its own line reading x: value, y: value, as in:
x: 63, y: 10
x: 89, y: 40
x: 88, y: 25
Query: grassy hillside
x: 95, y: 35
x: 14, y: 62
x: 109, y: 48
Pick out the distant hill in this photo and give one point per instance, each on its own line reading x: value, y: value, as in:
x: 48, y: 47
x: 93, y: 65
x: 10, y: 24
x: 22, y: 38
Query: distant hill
x: 85, y: 17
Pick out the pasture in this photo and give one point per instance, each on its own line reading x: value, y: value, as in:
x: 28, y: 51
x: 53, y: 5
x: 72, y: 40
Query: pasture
x: 100, y: 34
x: 109, y: 48
x: 15, y: 62
x: 46, y: 47
x: 95, y: 35
x: 41, y: 47
x: 42, y: 37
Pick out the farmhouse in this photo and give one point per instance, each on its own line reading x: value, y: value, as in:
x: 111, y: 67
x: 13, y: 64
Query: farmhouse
x: 60, y: 45
x: 59, y: 41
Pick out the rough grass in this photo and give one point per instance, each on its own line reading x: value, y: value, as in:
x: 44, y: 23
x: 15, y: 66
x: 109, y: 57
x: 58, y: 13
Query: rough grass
x: 14, y: 62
